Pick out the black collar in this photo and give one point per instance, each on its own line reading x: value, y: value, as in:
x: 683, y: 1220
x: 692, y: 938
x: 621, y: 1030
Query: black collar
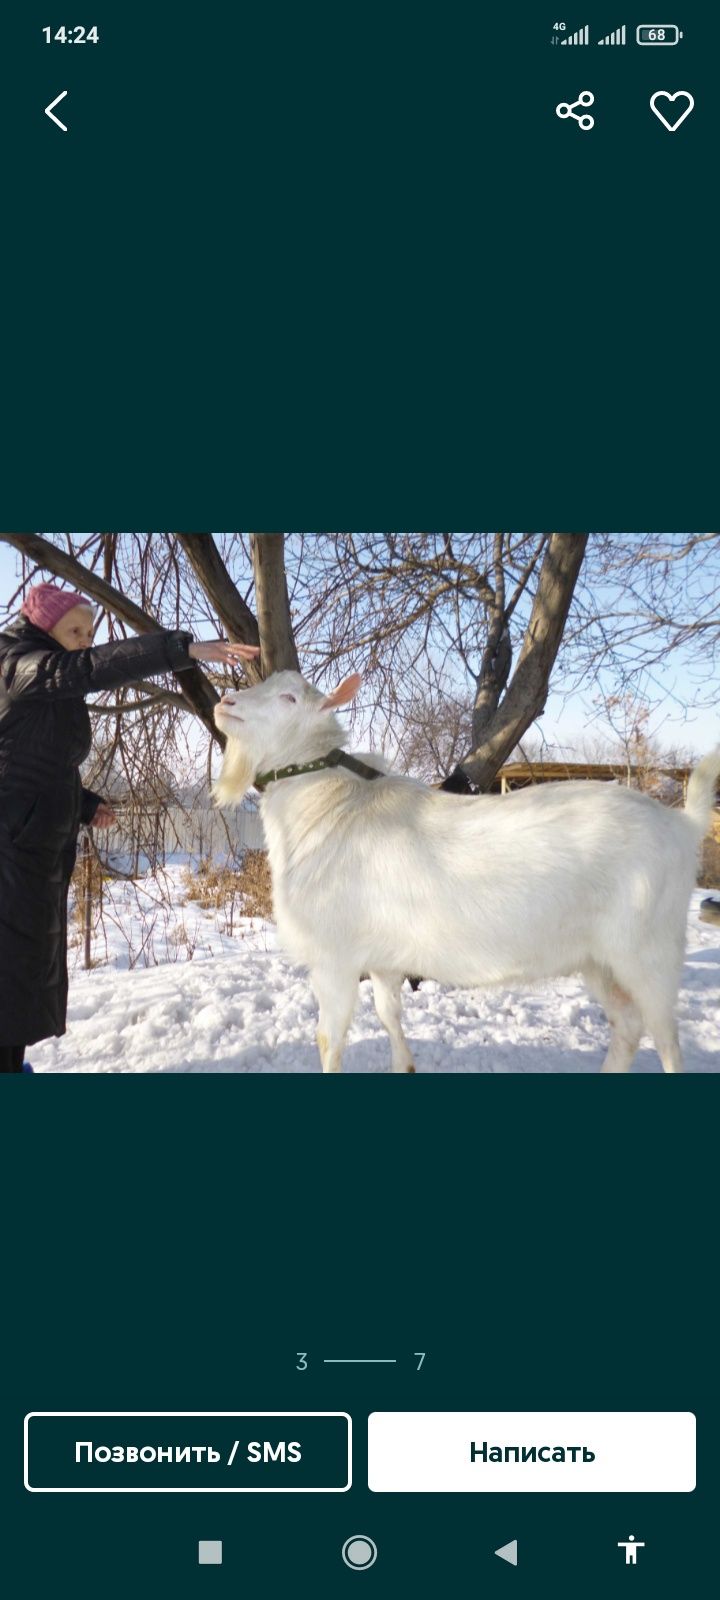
x: 336, y: 758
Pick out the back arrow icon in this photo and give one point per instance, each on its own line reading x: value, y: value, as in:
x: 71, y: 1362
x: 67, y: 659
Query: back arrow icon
x: 50, y: 109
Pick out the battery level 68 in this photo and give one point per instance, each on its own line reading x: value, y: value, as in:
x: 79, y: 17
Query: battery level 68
x: 658, y: 33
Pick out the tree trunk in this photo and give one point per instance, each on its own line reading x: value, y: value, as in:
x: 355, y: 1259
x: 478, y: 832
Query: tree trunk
x: 109, y: 543
x: 273, y: 606
x: 527, y: 692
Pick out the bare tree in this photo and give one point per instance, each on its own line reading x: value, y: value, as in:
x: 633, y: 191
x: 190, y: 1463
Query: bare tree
x: 459, y: 634
x: 500, y: 719
x: 43, y: 554
x: 445, y: 616
x: 146, y: 750
x: 231, y: 608
x: 642, y: 600
x: 436, y: 733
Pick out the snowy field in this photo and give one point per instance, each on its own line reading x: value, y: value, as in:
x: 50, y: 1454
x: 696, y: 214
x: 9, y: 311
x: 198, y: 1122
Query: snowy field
x: 212, y: 1001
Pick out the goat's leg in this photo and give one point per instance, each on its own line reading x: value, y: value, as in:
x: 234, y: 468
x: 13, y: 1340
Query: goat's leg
x: 388, y: 1004
x: 660, y: 1022
x: 656, y: 990
x: 667, y: 1045
x: 625, y: 1031
x: 626, y: 1023
x: 336, y: 994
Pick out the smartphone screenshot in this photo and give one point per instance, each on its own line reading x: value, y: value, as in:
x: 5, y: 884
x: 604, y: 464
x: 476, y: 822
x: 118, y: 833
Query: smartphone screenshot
x: 359, y: 881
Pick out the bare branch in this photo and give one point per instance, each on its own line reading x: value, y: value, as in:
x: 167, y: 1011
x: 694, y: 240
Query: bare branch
x: 192, y: 682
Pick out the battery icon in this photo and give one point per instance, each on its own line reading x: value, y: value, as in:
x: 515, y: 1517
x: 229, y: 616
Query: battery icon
x: 658, y: 33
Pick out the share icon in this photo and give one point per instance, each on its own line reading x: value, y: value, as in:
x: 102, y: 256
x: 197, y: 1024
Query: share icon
x: 585, y: 98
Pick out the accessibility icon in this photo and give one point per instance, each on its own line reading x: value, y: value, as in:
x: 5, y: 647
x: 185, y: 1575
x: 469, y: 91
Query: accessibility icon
x: 631, y: 1545
x: 585, y: 98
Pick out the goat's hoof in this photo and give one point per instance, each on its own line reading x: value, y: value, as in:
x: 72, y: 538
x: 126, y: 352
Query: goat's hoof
x: 410, y: 1068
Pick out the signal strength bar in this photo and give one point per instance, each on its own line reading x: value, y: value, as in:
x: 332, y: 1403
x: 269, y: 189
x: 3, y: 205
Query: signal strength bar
x: 618, y: 36
x: 581, y: 37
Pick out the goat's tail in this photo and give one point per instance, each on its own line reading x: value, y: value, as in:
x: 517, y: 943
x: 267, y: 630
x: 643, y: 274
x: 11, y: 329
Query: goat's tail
x: 702, y: 790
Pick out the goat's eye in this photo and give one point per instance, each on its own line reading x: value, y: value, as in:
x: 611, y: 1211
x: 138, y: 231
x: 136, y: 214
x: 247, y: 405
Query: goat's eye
x: 290, y: 697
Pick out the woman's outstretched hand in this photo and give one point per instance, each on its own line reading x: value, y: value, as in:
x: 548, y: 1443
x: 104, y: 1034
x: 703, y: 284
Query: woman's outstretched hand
x: 222, y: 650
x: 104, y: 816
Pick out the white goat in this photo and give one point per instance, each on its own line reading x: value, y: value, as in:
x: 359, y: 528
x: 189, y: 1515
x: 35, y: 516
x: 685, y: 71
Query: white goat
x: 391, y: 877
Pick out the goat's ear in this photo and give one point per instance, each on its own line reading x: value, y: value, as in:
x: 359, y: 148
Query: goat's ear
x: 345, y: 692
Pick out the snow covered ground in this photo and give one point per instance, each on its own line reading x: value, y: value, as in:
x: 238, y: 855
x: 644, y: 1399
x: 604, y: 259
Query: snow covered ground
x: 217, y: 1002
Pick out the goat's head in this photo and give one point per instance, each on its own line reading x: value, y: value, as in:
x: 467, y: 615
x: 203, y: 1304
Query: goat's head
x: 282, y: 721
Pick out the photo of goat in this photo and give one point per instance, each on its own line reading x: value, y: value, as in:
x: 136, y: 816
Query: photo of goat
x: 433, y: 803
x: 374, y: 871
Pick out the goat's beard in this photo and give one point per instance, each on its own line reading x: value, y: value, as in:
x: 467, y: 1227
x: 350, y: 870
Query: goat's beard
x: 236, y: 775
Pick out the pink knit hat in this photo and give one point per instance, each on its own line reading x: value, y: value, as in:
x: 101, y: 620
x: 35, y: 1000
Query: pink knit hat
x: 45, y: 604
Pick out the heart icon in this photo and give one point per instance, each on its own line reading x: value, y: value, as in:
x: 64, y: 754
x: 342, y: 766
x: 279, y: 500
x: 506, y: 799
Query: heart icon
x: 685, y: 98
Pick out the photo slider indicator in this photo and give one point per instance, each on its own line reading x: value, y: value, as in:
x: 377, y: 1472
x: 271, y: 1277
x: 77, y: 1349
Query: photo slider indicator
x: 510, y: 1452
x: 188, y: 1452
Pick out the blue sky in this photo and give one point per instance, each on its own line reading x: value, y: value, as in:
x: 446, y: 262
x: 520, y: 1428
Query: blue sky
x: 566, y: 723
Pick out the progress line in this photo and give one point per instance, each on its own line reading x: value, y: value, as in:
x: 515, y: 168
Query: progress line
x: 360, y: 1361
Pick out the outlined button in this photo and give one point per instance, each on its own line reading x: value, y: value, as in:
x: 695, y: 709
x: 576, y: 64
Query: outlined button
x: 209, y: 1552
x: 50, y: 111
x: 509, y: 1552
x: 188, y: 1452
x: 359, y: 1552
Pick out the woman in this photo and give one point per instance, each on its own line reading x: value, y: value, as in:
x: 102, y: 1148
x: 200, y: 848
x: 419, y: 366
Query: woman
x: 48, y: 664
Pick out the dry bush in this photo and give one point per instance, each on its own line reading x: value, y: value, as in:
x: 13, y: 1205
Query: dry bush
x: 256, y: 885
x: 210, y: 885
x: 86, y: 867
x: 79, y: 882
x: 246, y: 888
x: 78, y: 889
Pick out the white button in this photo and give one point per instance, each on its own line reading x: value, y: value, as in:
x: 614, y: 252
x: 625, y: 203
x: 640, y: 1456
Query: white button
x: 619, y: 1452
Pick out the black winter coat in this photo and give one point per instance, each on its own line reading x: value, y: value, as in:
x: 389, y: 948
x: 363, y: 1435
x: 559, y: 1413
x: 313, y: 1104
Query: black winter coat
x: 45, y: 736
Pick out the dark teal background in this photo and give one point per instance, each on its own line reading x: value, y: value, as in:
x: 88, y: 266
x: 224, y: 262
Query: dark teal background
x: 327, y: 266
x: 172, y: 1243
